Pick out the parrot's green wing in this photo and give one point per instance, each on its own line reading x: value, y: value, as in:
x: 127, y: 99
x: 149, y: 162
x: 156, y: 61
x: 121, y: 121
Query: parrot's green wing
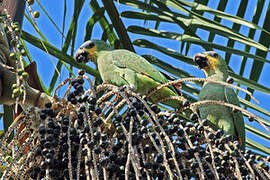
x: 238, y: 119
x: 122, y: 67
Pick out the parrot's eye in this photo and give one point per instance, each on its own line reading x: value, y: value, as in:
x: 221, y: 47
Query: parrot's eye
x: 90, y: 45
x: 215, y: 55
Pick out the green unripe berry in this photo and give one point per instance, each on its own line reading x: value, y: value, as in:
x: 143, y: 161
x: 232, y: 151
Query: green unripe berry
x: 23, y: 52
x: 20, y: 46
x: 21, y: 91
x: 30, y: 2
x: 258, y: 157
x: 24, y: 76
x: 122, y: 168
x: 17, y: 30
x: 20, y: 71
x: 12, y: 56
x: 14, y: 86
x: 261, y: 164
x: 14, y: 26
x: 16, y: 93
x: 36, y: 14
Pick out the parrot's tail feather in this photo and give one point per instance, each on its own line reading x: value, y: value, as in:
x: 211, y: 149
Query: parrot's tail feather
x: 199, y: 103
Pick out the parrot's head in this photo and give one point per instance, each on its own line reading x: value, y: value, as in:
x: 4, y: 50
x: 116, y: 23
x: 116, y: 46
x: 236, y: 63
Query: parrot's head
x: 210, y: 62
x: 89, y: 49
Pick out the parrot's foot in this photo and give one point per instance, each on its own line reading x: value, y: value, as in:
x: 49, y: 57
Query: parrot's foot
x: 127, y: 88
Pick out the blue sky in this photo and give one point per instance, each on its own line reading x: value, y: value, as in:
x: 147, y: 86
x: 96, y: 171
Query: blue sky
x: 55, y: 8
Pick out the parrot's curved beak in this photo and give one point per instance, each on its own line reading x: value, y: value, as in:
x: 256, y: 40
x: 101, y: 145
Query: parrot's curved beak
x: 84, y: 55
x: 201, y: 60
x: 81, y: 56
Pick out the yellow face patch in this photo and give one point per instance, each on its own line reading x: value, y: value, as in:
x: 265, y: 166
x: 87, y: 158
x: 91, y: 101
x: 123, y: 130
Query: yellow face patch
x: 213, y: 62
x: 92, y: 53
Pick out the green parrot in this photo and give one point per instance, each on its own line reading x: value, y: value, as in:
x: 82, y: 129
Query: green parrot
x: 124, y: 68
x: 215, y: 68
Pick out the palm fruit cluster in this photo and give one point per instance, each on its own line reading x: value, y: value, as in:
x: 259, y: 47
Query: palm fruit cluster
x: 109, y: 132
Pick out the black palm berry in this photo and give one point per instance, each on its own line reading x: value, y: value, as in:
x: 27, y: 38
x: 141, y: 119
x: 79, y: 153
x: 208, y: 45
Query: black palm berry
x: 51, y: 113
x: 73, y: 131
x: 42, y: 129
x: 43, y: 115
x: 97, y: 150
x: 73, y: 101
x: 144, y: 122
x: 104, y: 162
x: 186, y: 103
x: 91, y: 144
x: 80, y: 122
x: 83, y: 141
x: 98, y: 110
x: 146, y: 148
x: 155, y: 108
x: 48, y: 144
x: 113, y: 157
x: 81, y: 72
x: 49, y: 130
x: 211, y: 135
x: 73, y: 82
x: 180, y: 132
x: 208, y: 158
x: 97, y: 122
x: 86, y: 129
x: 91, y: 107
x: 104, y: 144
x: 230, y: 80
x: 66, y: 172
x: 141, y: 113
x: 50, y: 137
x: 79, y: 88
x: 159, y: 158
x: 135, y: 103
x: 132, y: 112
x: 228, y: 138
x: 205, y: 122
x: 82, y: 108
x: 64, y: 128
x: 80, y: 116
x: 219, y: 133
x: 193, y: 117
x: 50, y: 123
x: 80, y: 80
x: 121, y: 136
x: 251, y: 119
x: 195, y: 165
x: 66, y: 121
x: 48, y: 105
x: 92, y: 100
x: 118, y: 118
